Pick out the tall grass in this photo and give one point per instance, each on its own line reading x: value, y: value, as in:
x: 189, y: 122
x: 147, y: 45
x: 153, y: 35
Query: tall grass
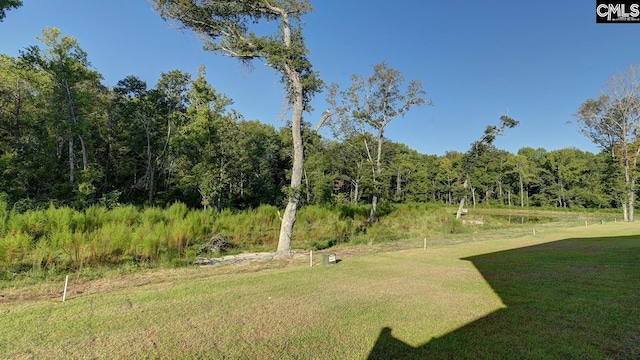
x: 64, y: 238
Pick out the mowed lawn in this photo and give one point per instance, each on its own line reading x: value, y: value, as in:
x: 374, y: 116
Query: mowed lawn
x: 562, y: 294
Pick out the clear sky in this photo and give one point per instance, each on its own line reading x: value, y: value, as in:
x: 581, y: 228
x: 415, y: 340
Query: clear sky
x: 477, y: 59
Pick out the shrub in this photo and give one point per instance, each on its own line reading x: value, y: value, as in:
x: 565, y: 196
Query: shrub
x: 152, y: 215
x: 4, y: 216
x: 176, y: 212
x: 127, y: 215
x: 111, y: 242
x: 14, y: 247
x: 31, y: 222
x: 95, y: 217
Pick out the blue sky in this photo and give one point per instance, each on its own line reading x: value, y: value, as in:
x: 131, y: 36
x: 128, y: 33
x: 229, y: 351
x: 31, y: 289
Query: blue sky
x: 476, y: 59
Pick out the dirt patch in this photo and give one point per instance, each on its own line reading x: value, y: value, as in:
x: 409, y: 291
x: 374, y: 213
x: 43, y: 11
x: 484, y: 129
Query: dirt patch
x: 243, y: 258
x: 473, y: 222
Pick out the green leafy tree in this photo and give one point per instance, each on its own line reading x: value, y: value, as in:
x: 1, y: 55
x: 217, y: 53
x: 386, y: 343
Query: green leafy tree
x: 449, y: 177
x: 75, y: 85
x: 27, y: 150
x: 527, y: 169
x: 231, y: 163
x: 348, y: 165
x: 153, y: 117
x: 260, y: 174
x: 573, y: 178
x: 410, y: 172
x: 498, y: 166
x: 226, y: 28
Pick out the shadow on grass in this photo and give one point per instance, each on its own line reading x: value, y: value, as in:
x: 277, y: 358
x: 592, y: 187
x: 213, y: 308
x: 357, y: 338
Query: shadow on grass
x: 569, y: 299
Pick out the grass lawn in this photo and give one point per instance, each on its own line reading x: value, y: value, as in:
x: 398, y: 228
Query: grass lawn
x: 564, y: 293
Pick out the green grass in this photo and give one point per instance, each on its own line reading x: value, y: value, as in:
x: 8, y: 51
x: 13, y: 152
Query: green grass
x: 564, y: 293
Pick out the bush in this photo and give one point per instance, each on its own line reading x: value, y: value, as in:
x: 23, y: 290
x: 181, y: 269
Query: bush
x: 126, y: 215
x: 4, y: 216
x: 176, y: 212
x: 14, y: 247
x: 95, y: 217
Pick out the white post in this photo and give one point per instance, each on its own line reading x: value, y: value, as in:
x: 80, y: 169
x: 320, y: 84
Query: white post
x: 425, y: 243
x: 586, y: 224
x: 66, y: 282
x: 311, y: 258
x: 534, y: 231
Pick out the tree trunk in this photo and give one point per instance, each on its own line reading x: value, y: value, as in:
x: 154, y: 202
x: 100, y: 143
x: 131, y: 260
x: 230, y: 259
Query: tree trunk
x: 152, y: 180
x: 148, y: 170
x: 85, y: 157
x: 377, y: 171
x: 473, y: 196
x: 72, y: 165
x: 433, y: 189
x: 631, y: 196
x: 220, y: 185
x: 521, y: 190
x: 18, y: 106
x: 289, y: 217
x: 356, y: 191
x: 242, y: 184
x: 630, y: 188
x: 374, y: 205
x: 379, y: 154
x: 107, y: 165
x: 398, y: 186
x: 74, y: 121
x: 459, y: 213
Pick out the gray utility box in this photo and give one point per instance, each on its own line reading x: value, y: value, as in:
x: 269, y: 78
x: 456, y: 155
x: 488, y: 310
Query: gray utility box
x: 328, y: 258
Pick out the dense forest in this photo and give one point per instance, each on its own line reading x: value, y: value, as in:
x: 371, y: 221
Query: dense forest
x: 69, y: 140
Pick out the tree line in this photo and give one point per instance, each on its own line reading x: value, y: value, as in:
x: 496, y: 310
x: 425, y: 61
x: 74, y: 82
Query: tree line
x: 70, y: 140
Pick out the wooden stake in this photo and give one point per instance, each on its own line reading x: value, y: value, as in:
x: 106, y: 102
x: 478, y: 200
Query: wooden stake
x: 311, y: 258
x: 425, y: 243
x: 66, y: 282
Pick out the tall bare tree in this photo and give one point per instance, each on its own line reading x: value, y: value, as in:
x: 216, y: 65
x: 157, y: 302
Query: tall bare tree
x: 224, y: 26
x: 612, y: 121
x: 368, y: 106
